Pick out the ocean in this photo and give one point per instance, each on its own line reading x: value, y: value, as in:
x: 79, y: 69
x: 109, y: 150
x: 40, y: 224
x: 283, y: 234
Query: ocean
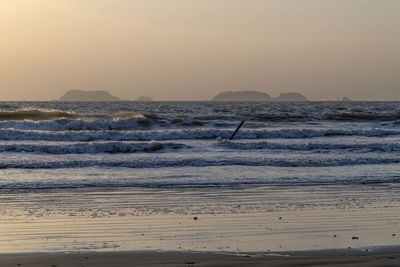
x: 180, y: 144
x: 145, y: 176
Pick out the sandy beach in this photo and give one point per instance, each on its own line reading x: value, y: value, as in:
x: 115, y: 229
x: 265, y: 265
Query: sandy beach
x: 382, y: 257
x: 271, y: 226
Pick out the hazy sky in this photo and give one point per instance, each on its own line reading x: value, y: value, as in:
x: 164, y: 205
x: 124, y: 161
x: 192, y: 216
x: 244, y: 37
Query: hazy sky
x: 193, y: 49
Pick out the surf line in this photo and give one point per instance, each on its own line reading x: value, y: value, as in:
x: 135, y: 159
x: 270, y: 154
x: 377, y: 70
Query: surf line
x: 237, y: 129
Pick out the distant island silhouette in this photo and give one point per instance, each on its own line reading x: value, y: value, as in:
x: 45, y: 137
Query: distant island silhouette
x: 257, y: 96
x: 80, y: 95
x: 346, y: 99
x: 144, y: 99
x: 292, y: 96
x: 101, y: 95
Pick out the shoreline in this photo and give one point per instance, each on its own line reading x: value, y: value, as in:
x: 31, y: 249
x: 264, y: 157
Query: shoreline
x: 257, y: 219
x: 383, y: 256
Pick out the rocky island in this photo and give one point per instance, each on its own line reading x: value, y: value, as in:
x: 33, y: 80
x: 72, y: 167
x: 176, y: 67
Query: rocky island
x: 292, y: 96
x: 257, y: 96
x: 242, y: 96
x: 80, y: 95
x: 144, y: 99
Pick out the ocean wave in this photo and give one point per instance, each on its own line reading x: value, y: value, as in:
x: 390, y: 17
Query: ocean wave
x: 93, y: 148
x: 184, y: 184
x: 304, y: 117
x: 185, y: 134
x: 117, y: 124
x: 359, y: 116
x: 35, y: 115
x: 182, y: 121
x: 130, y: 115
x: 369, y: 147
x: 355, y: 116
x: 279, y: 117
x: 56, y: 120
x: 201, y: 162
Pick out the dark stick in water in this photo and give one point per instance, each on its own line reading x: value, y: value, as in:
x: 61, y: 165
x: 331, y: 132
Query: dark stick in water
x: 237, y: 129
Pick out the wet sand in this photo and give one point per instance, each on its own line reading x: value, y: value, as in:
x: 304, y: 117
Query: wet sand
x: 256, y: 226
x: 380, y: 257
x: 246, y: 220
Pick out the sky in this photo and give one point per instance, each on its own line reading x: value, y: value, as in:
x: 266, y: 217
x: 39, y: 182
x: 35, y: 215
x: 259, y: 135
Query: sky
x: 194, y: 49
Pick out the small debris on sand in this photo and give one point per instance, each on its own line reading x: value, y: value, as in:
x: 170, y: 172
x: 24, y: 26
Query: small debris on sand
x: 195, y: 218
x: 354, y: 237
x: 334, y: 235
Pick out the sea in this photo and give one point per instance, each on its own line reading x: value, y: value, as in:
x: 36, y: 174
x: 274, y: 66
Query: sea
x: 71, y: 145
x: 164, y: 176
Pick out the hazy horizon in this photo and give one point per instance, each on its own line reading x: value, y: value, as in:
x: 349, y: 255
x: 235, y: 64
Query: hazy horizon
x: 193, y: 50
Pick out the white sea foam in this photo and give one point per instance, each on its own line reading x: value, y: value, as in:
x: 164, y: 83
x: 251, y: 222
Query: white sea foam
x: 106, y: 177
x: 35, y: 114
x: 382, y: 146
x: 92, y: 148
x: 176, y: 134
x: 76, y: 124
x: 198, y: 161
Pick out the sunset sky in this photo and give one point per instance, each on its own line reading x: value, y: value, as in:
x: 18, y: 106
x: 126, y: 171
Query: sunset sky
x: 194, y: 49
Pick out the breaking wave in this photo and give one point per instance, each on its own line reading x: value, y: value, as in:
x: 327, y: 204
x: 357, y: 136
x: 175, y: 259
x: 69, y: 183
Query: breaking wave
x: 93, y: 148
x: 71, y: 184
x: 304, y: 117
x: 130, y: 115
x: 368, y: 147
x: 201, y: 162
x: 358, y: 116
x: 35, y: 115
x: 77, y: 125
x: 184, y: 134
x: 115, y: 136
